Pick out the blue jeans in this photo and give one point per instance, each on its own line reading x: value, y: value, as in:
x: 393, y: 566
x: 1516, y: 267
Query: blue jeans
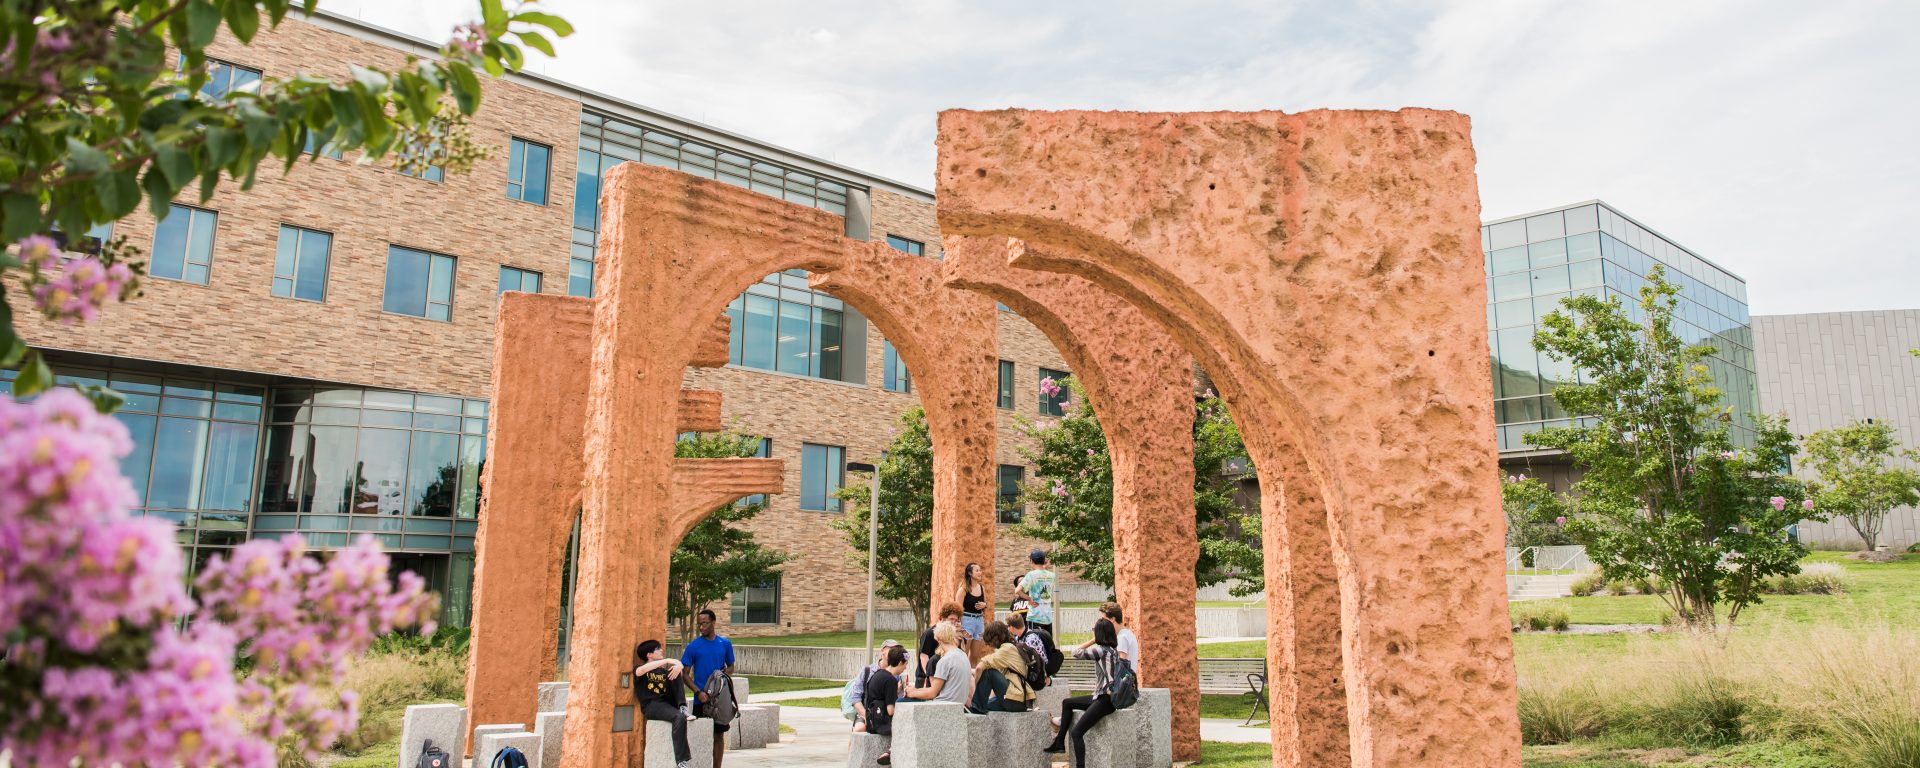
x: 974, y: 624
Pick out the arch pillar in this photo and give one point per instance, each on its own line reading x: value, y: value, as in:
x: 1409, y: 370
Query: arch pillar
x: 1140, y: 383
x: 1325, y: 268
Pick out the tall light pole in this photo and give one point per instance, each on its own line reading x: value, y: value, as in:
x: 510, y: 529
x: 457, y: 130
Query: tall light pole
x: 873, y: 545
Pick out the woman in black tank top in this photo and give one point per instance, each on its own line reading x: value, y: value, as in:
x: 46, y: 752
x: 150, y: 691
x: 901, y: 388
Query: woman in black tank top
x: 973, y: 602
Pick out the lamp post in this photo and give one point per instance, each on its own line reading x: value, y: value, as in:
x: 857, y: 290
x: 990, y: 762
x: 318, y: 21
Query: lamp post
x: 873, y: 544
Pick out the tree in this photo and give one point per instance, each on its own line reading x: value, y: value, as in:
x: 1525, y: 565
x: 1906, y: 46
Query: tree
x: 719, y: 556
x: 1072, y: 494
x: 903, y: 568
x: 1856, y: 480
x: 97, y: 117
x: 1536, y: 516
x: 1666, y: 492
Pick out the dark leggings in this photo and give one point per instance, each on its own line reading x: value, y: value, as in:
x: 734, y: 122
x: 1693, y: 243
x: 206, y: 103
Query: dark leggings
x: 1097, y: 708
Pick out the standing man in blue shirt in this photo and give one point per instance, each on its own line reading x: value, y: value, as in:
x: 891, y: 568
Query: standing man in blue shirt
x: 706, y: 654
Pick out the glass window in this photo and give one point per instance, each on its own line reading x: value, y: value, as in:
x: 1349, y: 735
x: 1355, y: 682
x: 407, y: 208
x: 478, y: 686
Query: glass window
x: 516, y: 279
x: 1054, y: 405
x: 1582, y: 219
x: 765, y: 451
x: 580, y: 271
x: 180, y: 452
x: 1546, y: 226
x: 793, y: 345
x: 224, y: 77
x: 380, y: 478
x: 586, y: 191
x: 822, y: 469
x: 136, y: 464
x: 1518, y: 285
x: 801, y: 332
x: 1508, y: 259
x: 433, y: 474
x: 1583, y: 247
x: 183, y: 245
x: 229, y: 477
x: 825, y: 346
x: 1508, y: 234
x: 1510, y: 313
x: 1006, y: 384
x: 1519, y: 371
x: 914, y: 247
x: 419, y: 284
x: 1548, y: 253
x: 527, y: 171
x: 1008, y: 508
x: 759, y: 604
x: 1550, y: 280
x: 896, y: 377
x: 329, y: 149
x: 300, y: 265
x: 1585, y: 274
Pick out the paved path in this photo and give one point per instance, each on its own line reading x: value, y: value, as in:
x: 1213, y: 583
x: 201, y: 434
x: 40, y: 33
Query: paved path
x: 819, y: 739
x: 1220, y: 729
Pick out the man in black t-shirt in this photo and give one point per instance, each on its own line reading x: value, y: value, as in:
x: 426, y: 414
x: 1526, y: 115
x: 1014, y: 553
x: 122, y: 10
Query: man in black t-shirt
x: 659, y: 687
x: 929, y: 648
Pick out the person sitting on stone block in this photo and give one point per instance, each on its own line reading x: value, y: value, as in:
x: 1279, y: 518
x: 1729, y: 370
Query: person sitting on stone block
x: 999, y: 680
x: 659, y: 687
x: 880, y: 694
x: 859, y: 683
x: 952, y: 677
x: 1103, y: 650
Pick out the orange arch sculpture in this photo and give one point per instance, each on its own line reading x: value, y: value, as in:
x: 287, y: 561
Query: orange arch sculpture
x: 1324, y: 267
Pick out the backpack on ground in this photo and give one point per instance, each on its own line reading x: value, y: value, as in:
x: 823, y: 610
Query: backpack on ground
x: 432, y: 757
x: 1036, y: 677
x: 720, y: 705
x: 509, y: 757
x: 1123, y: 687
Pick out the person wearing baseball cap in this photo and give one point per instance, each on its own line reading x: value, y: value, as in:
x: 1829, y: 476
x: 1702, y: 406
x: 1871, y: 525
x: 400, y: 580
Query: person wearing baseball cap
x: 879, y: 666
x: 1037, y: 587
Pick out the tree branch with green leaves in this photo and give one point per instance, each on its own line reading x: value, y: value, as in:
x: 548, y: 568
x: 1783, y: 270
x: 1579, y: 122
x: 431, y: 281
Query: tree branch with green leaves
x: 1858, y: 480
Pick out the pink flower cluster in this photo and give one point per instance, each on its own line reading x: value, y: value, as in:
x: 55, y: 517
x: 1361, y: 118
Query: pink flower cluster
x: 71, y: 289
x: 88, y: 598
x: 467, y: 38
x: 1049, y: 387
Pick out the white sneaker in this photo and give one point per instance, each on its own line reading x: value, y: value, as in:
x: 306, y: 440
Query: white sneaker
x: 684, y: 764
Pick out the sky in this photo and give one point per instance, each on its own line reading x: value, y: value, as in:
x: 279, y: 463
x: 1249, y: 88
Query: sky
x: 1778, y: 139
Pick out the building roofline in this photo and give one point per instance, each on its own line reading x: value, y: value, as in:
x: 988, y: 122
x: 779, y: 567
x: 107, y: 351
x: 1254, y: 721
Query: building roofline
x: 1837, y: 312
x: 619, y: 107
x: 1617, y: 212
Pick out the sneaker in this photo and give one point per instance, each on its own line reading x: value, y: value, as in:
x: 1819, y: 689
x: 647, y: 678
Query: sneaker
x: 886, y: 759
x: 1054, y: 749
x: 1056, y: 722
x: 684, y: 764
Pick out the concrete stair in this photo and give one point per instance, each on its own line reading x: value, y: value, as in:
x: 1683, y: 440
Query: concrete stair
x: 1541, y: 587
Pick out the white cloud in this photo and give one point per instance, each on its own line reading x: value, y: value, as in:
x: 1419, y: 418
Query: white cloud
x: 1775, y: 138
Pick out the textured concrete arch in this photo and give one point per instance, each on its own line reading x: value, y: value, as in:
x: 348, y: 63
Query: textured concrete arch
x: 1141, y: 383
x: 1324, y: 268
x: 674, y: 249
x: 532, y: 490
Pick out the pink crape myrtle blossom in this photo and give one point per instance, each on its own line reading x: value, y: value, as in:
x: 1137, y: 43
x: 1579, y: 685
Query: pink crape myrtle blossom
x: 1050, y: 388
x: 1779, y: 503
x: 71, y: 288
x: 96, y: 668
x: 1806, y: 505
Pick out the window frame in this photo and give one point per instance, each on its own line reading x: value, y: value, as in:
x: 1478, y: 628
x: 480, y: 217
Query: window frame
x: 1004, y: 397
x: 259, y: 75
x: 741, y: 602
x: 894, y: 376
x: 539, y: 280
x: 186, y: 254
x: 1059, y: 410
x: 1001, y: 505
x: 833, y: 504
x: 517, y: 144
x: 453, y: 280
x: 906, y: 245
x: 293, y: 281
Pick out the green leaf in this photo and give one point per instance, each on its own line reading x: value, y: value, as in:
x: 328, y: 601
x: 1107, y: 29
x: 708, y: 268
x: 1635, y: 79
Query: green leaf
x: 561, y: 27
x: 118, y: 193
x: 11, y: 347
x: 203, y: 23
x: 176, y: 163
x: 535, y: 41
x: 22, y: 212
x: 466, y: 88
x: 222, y: 147
x: 244, y: 19
x: 83, y: 158
x: 159, y: 192
x: 105, y: 400
x: 493, y: 16
x: 35, y: 377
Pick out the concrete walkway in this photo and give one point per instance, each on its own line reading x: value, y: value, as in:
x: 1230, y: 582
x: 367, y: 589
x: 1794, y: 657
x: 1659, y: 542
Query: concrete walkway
x: 1221, y: 729
x: 819, y: 738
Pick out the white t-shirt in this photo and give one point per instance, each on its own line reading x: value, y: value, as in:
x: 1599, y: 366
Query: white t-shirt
x: 1130, y: 647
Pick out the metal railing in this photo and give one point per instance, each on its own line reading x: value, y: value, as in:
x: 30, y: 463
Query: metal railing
x: 1536, y: 560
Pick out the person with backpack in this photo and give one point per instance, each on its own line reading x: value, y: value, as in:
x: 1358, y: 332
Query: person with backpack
x: 881, y: 694
x: 853, y: 699
x: 659, y: 688
x: 1104, y: 652
x: 1000, y: 681
x: 1129, y: 644
x: 1037, y: 587
x: 1041, y: 642
x: 710, y: 658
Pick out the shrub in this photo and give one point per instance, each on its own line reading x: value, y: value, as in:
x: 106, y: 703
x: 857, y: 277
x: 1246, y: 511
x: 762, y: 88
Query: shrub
x: 1859, y: 691
x: 1587, y: 584
x: 1559, y: 716
x: 1542, y: 618
x: 1646, y: 585
x: 1708, y: 711
x: 1619, y: 587
x: 389, y: 680
x: 1813, y: 579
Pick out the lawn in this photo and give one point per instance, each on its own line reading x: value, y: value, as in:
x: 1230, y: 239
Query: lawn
x: 1215, y: 754
x: 1873, y: 589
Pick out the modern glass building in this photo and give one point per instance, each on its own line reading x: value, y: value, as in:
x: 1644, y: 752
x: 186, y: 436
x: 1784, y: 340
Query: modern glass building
x: 1535, y: 261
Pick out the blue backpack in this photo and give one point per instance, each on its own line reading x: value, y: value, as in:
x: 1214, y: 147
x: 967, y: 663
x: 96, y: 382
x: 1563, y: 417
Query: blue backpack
x: 509, y: 757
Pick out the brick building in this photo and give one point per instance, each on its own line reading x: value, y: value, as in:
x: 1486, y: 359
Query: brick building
x: 313, y: 354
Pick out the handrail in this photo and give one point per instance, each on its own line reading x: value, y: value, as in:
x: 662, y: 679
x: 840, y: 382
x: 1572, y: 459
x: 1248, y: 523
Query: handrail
x: 1518, y: 561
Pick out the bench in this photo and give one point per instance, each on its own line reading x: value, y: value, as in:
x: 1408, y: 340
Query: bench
x: 1217, y: 676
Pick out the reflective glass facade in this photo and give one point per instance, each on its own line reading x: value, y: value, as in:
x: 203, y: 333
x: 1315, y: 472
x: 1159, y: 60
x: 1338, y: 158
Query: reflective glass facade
x: 1534, y: 262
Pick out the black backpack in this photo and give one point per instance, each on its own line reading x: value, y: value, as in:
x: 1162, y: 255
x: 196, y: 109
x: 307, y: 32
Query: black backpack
x: 1036, y: 676
x: 1055, y: 657
x: 509, y: 757
x: 432, y: 757
x: 1123, y: 687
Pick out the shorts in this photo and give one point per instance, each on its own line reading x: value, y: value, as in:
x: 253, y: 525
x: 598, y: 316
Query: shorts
x: 974, y: 624
x: 699, y: 710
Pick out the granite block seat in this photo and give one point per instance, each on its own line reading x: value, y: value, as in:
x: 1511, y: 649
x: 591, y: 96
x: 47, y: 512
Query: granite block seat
x: 482, y: 731
x: 1114, y: 742
x: 1020, y: 736
x: 659, y: 752
x: 866, y: 749
x: 552, y: 697
x: 1155, y: 733
x: 443, y: 724
x: 490, y: 745
x: 930, y: 734
x: 552, y: 728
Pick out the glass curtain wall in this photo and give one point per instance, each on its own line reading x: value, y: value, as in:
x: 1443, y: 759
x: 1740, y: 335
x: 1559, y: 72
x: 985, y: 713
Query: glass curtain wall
x: 1534, y: 263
